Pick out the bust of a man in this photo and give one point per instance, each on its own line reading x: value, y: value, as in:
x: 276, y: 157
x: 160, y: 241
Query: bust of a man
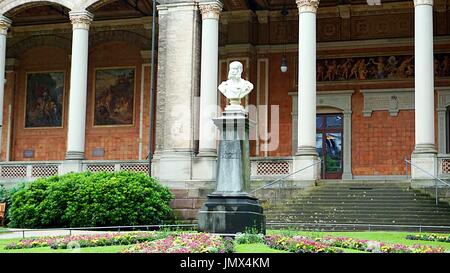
x: 235, y: 88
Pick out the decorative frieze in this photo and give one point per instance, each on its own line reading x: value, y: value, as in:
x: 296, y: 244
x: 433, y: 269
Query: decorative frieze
x: 392, y: 100
x: 81, y: 19
x: 210, y: 10
x: 307, y: 5
x: 392, y: 67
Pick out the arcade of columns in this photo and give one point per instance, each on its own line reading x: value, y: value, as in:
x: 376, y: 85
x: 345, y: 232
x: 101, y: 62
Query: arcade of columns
x: 179, y: 70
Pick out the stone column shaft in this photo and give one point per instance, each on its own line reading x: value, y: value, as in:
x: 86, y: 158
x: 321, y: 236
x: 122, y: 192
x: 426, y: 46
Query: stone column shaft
x: 5, y: 24
x: 306, y: 157
x: 210, y: 11
x: 307, y: 77
x: 78, y: 84
x: 424, y: 157
x: 424, y: 76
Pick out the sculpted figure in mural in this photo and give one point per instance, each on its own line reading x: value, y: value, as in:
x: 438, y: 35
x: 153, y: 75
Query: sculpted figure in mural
x: 345, y: 68
x: 354, y: 71
x: 380, y: 67
x: 401, y: 71
x: 445, y: 67
x: 362, y: 70
x: 392, y: 66
x: 235, y: 88
x: 320, y: 72
x: 437, y: 68
x: 331, y: 71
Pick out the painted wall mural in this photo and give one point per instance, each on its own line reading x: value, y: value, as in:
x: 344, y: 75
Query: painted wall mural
x: 44, y: 99
x: 114, y: 96
x: 376, y: 68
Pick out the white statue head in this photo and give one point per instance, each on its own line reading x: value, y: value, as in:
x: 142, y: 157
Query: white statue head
x: 235, y: 72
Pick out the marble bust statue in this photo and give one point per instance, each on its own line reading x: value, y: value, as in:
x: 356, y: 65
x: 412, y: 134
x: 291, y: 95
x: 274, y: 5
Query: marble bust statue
x: 235, y: 88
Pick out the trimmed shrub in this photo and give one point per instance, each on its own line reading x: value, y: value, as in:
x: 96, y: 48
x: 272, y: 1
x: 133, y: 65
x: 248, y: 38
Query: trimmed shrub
x: 91, y: 199
x: 5, y: 197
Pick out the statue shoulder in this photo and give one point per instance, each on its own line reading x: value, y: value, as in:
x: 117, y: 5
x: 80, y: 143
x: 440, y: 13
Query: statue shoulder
x: 248, y: 85
x: 223, y: 86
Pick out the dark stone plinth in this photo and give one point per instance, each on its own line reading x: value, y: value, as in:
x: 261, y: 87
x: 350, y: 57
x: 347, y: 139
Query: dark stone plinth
x: 228, y: 214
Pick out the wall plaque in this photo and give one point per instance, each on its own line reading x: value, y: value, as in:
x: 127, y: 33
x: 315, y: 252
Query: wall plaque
x: 98, y: 152
x: 28, y: 153
x: 392, y: 100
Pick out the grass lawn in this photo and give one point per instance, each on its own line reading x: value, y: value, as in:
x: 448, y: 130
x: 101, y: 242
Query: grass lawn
x: 387, y: 237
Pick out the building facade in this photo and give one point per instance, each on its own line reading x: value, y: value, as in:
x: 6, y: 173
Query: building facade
x: 367, y: 86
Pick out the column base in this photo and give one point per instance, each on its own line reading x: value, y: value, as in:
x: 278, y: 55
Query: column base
x: 307, y: 160
x: 425, y: 166
x: 175, y: 165
x: 71, y: 166
x: 207, y: 153
x: 204, y: 166
x: 74, y: 155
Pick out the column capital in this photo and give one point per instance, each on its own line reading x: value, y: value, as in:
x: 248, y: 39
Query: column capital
x: 307, y: 5
x: 210, y: 9
x: 423, y: 2
x: 5, y: 24
x: 81, y: 19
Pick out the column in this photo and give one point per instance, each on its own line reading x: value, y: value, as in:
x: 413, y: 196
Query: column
x: 424, y: 155
x: 179, y: 42
x: 81, y: 21
x: 5, y: 24
x: 210, y: 11
x: 306, y: 151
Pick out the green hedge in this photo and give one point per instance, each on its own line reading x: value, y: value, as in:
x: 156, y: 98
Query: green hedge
x: 5, y: 197
x: 91, y: 199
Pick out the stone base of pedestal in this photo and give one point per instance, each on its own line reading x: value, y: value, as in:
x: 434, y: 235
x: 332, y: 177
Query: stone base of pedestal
x: 228, y: 214
x: 309, y: 164
x: 423, y: 170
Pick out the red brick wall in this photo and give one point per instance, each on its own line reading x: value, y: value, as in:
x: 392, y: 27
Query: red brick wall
x: 380, y: 142
x: 280, y: 84
x: 7, y: 100
x: 48, y: 144
x: 118, y: 142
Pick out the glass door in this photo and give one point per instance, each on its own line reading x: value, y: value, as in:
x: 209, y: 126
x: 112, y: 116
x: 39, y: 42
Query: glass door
x: 329, y: 142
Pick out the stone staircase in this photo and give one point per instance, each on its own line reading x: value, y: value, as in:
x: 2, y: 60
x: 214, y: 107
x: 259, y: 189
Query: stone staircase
x: 358, y: 202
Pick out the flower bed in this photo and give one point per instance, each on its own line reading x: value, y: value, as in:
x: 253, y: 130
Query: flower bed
x: 185, y: 243
x: 298, y: 244
x: 108, y: 239
x: 429, y: 237
x: 378, y: 247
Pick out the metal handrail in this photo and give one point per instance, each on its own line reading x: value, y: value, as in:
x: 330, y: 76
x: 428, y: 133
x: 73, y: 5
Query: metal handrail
x: 430, y: 174
x: 286, y: 176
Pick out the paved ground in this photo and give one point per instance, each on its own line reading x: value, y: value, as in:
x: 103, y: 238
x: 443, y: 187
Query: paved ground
x: 14, y: 233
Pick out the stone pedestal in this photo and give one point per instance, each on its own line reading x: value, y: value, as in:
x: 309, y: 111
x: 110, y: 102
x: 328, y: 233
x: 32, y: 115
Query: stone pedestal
x: 230, y: 209
x: 426, y: 162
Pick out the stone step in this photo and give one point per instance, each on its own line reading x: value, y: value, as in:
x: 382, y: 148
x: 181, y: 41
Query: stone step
x: 366, y: 198
x: 349, y: 203
x: 359, y: 216
x: 362, y: 212
x: 360, y: 202
x: 349, y: 220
